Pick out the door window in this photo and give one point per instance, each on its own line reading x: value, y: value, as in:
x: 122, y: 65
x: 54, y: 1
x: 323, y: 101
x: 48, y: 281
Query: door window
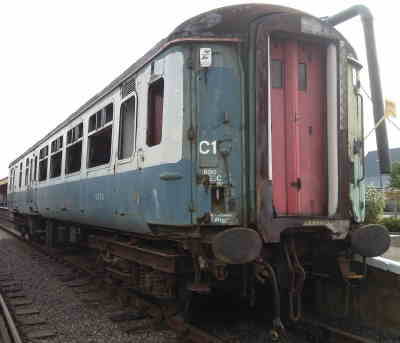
x: 127, y: 128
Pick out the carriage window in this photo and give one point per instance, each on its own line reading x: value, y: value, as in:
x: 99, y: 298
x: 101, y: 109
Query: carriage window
x: 10, y: 180
x: 74, y: 149
x: 100, y: 138
x: 30, y: 171
x: 101, y: 118
x: 56, y: 157
x: 26, y: 171
x: 155, y: 112
x: 302, y: 86
x: 35, y: 169
x: 109, y: 110
x: 100, y: 147
x: 276, y: 74
x: 20, y: 175
x: 44, y: 152
x: 127, y: 128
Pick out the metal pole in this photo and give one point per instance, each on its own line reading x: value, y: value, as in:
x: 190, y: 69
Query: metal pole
x: 374, y: 77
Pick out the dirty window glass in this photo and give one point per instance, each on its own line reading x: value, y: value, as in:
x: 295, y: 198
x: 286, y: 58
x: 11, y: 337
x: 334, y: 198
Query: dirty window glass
x: 276, y: 74
x: 43, y: 163
x: 127, y: 128
x: 56, y: 157
x: 155, y: 112
x: 100, y: 147
x: 302, y: 77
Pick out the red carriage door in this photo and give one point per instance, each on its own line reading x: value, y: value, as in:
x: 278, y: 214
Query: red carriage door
x: 298, y: 128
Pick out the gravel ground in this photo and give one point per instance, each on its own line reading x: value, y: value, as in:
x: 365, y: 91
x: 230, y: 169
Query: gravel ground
x: 72, y: 319
x: 77, y: 321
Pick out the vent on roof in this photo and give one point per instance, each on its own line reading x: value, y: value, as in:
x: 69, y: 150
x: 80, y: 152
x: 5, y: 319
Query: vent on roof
x: 128, y: 87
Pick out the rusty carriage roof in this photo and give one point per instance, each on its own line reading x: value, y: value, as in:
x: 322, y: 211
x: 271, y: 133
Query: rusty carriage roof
x: 229, y: 23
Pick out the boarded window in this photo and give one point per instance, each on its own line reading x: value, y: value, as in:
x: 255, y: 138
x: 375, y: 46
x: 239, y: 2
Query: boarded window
x: 155, y: 112
x: 127, y: 128
x: 100, y: 147
x: 276, y: 74
x: 302, y: 80
x: 73, y: 158
x: 44, y: 152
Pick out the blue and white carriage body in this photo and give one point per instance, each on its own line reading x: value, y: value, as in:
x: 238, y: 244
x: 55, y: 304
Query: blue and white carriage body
x: 212, y: 166
x: 156, y: 185
x: 198, y: 159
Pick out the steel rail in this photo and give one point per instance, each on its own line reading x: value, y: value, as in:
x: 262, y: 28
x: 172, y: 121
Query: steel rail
x: 10, y: 321
x: 186, y: 330
x: 338, y: 332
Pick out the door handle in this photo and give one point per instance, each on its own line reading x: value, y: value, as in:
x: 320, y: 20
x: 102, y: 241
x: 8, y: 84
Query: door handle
x: 296, y: 184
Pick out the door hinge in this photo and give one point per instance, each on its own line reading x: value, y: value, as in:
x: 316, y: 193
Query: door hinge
x: 296, y: 184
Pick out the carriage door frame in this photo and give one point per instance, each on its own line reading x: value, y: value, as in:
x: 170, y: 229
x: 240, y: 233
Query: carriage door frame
x: 298, y: 120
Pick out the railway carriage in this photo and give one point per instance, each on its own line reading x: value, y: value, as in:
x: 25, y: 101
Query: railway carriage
x: 230, y: 152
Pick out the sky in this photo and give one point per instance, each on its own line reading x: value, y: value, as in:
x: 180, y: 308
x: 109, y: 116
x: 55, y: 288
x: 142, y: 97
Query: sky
x: 55, y: 55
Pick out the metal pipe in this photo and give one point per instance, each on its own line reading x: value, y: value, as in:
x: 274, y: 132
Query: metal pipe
x: 374, y: 77
x: 332, y: 136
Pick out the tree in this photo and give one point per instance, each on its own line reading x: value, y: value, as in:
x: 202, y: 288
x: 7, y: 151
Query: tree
x: 395, y: 175
x: 374, y: 205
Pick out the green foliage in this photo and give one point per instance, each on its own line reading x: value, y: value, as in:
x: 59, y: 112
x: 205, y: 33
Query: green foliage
x: 395, y: 175
x: 392, y: 224
x: 374, y: 205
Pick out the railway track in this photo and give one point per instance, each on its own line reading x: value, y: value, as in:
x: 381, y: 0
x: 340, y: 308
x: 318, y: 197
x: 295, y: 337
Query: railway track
x: 9, y: 332
x: 83, y: 274
x: 333, y: 334
x: 147, y: 306
x: 8, y: 328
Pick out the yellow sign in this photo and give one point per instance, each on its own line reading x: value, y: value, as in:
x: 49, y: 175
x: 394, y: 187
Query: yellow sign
x: 390, y: 108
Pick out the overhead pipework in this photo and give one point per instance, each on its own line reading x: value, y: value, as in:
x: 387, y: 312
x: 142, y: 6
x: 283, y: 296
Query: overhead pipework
x: 374, y: 77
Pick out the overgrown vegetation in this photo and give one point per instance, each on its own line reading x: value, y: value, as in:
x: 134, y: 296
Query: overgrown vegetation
x: 393, y: 195
x: 374, y: 205
x: 391, y: 223
x: 395, y: 175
